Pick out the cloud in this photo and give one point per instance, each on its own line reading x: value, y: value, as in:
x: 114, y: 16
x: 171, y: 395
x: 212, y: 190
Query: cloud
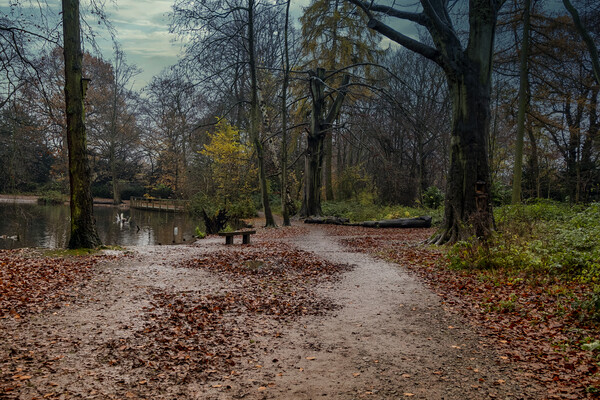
x: 142, y: 28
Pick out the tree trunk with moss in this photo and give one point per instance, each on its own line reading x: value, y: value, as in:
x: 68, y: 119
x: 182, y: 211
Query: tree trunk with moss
x: 321, y: 123
x: 468, y: 210
x: 83, y: 224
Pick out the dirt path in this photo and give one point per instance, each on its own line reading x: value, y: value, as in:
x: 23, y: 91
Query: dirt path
x: 391, y: 339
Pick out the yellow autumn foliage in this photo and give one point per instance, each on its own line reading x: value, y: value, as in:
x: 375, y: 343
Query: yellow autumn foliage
x: 232, y: 171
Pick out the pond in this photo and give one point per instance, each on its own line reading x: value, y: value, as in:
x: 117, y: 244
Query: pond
x: 32, y: 225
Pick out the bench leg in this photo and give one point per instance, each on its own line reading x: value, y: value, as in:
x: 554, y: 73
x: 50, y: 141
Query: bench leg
x: 228, y: 239
x: 245, y: 239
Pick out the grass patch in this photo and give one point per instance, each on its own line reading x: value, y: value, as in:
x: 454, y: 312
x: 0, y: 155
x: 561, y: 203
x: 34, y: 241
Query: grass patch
x: 51, y: 197
x: 72, y: 252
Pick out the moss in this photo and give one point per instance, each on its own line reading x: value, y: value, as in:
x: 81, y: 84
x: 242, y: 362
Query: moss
x: 69, y: 252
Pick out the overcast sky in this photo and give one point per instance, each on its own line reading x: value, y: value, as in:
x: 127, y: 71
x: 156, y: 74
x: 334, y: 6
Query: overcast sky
x: 142, y: 28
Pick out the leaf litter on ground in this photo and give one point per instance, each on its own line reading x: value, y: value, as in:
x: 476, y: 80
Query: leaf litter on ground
x: 533, y: 319
x: 198, y: 337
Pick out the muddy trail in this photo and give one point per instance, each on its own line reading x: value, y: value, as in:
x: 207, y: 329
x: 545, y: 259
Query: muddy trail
x: 294, y: 315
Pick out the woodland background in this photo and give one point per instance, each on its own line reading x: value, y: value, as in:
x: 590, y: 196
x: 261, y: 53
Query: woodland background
x: 186, y: 134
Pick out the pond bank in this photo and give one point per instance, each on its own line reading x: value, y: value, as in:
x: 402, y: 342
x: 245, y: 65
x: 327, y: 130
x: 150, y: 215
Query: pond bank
x: 20, y: 199
x: 32, y: 199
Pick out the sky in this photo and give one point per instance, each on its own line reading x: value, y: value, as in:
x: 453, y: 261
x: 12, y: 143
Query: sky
x: 142, y: 29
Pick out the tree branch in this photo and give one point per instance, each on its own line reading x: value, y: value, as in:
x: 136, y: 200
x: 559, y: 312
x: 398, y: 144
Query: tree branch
x: 585, y: 35
x: 337, y: 104
x: 418, y: 18
x: 403, y: 40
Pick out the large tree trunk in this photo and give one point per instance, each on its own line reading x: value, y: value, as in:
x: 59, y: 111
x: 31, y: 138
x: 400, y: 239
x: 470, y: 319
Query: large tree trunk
x: 321, y: 123
x: 468, y: 211
x: 468, y: 71
x: 311, y: 204
x: 83, y: 228
x: 284, y: 151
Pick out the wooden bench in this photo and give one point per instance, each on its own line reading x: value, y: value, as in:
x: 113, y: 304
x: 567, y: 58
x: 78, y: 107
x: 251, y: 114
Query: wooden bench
x: 229, y: 236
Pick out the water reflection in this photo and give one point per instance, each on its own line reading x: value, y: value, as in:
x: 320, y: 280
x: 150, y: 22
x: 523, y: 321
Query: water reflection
x: 48, y: 226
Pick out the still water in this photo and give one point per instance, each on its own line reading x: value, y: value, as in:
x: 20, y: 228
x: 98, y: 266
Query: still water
x: 48, y: 226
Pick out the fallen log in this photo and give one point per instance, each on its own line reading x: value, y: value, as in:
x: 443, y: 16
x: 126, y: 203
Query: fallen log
x: 419, y: 222
x: 327, y: 220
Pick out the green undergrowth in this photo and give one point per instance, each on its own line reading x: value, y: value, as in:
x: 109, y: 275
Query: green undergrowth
x: 546, y: 237
x: 540, y: 244
x: 359, y: 211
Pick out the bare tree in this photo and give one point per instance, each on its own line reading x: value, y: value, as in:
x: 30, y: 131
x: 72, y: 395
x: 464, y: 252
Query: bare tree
x: 223, y: 50
x: 468, y: 70
x: 587, y: 38
x: 523, y: 104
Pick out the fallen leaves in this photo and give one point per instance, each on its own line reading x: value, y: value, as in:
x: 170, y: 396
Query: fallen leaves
x: 31, y: 284
x: 192, y: 336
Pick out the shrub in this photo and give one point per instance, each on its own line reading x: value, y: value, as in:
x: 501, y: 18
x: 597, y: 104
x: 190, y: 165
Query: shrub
x: 352, y: 182
x: 243, y: 208
x: 161, y: 191
x: 433, y: 197
x: 200, y: 234
x: 130, y: 190
x: 501, y: 193
x: 103, y: 190
x: 51, y: 197
x: 543, y: 236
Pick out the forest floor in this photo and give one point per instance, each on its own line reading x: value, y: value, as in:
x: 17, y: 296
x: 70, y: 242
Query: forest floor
x: 301, y: 313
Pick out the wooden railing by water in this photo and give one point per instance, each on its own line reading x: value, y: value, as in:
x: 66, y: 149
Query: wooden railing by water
x: 170, y: 205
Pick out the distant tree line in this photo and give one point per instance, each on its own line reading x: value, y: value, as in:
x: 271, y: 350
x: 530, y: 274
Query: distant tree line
x: 381, y: 118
